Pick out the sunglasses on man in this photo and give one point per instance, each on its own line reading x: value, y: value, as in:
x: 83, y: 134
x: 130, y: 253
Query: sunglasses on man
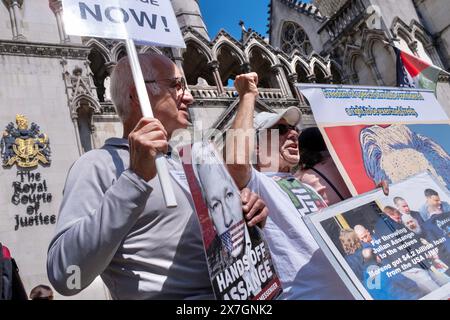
x: 284, y: 128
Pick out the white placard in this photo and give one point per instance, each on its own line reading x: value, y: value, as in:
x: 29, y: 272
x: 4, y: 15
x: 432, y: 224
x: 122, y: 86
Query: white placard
x: 333, y: 104
x: 381, y: 133
x: 145, y: 21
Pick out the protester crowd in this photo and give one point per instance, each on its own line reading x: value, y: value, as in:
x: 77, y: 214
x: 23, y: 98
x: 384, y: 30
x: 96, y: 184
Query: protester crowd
x: 113, y: 221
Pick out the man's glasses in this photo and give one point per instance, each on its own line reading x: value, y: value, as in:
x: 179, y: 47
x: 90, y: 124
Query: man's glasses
x: 179, y: 84
x: 284, y: 128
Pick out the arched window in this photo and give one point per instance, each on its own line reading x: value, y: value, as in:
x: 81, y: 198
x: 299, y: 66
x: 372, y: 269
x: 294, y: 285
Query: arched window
x: 302, y: 75
x: 363, y: 72
x: 85, y: 113
x: 385, y: 61
x: 122, y: 53
x: 261, y: 64
x: 195, y: 66
x: 319, y: 75
x: 229, y: 64
x: 99, y: 71
x: 294, y: 37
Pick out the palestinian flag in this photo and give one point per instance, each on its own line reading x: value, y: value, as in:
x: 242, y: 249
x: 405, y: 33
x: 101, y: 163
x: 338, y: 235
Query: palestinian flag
x: 414, y: 72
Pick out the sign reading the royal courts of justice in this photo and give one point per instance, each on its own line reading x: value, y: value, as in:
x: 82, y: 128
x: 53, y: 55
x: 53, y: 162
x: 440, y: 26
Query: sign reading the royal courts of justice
x: 26, y: 147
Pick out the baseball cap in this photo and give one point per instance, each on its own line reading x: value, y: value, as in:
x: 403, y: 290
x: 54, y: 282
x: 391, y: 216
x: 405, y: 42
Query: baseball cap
x: 266, y: 120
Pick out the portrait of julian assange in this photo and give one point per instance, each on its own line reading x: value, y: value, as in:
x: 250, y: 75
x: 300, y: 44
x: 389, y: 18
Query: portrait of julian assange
x: 238, y: 257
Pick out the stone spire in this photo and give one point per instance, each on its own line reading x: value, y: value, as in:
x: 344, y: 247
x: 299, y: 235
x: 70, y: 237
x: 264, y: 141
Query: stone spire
x: 189, y: 15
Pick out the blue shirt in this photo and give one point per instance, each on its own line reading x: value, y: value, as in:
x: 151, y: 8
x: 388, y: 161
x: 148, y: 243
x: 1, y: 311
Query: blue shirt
x: 425, y: 214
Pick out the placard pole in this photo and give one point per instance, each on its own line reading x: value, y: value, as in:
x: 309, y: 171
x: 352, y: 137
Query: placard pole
x: 146, y: 109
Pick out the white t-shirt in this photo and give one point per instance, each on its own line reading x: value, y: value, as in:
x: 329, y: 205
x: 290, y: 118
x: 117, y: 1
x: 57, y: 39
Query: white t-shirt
x: 304, y: 271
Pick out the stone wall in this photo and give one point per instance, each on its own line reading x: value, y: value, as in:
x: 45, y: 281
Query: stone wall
x: 435, y: 16
x: 34, y: 86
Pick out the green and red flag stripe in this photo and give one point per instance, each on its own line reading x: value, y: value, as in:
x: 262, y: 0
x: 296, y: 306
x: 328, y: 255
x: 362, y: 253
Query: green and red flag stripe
x: 415, y: 72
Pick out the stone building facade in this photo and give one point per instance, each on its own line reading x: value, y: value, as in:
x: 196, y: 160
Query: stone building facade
x: 357, y: 36
x: 60, y: 83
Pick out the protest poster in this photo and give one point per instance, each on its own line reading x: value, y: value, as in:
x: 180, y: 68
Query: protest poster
x: 145, y: 21
x: 382, y: 247
x: 151, y: 22
x: 239, y: 260
x: 376, y: 134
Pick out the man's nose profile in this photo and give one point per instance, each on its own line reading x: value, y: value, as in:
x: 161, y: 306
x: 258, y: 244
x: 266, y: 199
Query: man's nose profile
x: 227, y: 217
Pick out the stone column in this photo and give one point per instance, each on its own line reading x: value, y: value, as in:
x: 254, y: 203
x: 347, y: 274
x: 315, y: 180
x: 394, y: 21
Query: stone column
x: 56, y: 7
x: 93, y: 131
x: 77, y: 132
x: 14, y: 13
x: 13, y: 22
x: 293, y: 79
x: 16, y: 5
x: 214, y: 66
x: 109, y: 66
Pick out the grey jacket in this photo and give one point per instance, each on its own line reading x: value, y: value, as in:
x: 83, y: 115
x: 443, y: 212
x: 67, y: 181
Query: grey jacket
x: 114, y: 224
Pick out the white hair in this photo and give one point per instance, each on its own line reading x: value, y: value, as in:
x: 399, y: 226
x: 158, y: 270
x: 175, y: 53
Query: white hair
x: 122, y: 81
x: 406, y: 218
x: 385, y: 149
x: 359, y: 229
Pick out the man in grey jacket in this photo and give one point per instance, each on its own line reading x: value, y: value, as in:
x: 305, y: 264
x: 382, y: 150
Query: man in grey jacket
x: 113, y: 221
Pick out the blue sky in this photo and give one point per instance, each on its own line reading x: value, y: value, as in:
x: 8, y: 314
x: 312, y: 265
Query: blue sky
x: 226, y: 14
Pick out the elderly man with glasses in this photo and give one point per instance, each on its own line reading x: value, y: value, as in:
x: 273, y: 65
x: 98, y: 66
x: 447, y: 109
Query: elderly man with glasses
x: 304, y: 271
x: 113, y: 221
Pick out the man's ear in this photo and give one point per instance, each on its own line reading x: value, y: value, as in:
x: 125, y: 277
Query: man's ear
x: 134, y: 100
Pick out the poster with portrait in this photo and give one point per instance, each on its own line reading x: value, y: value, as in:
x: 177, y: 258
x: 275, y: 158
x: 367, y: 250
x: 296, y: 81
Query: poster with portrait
x: 376, y: 134
x: 239, y: 260
x: 392, y: 247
